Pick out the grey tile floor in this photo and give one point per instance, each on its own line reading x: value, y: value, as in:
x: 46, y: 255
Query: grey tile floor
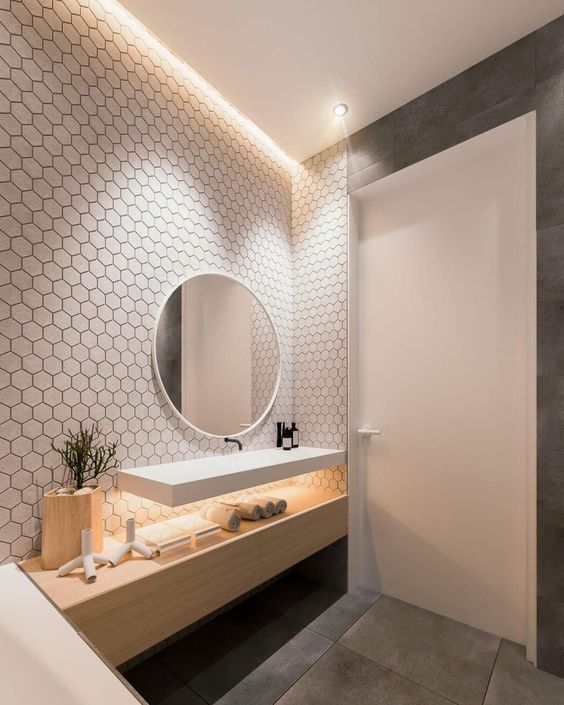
x: 299, y: 643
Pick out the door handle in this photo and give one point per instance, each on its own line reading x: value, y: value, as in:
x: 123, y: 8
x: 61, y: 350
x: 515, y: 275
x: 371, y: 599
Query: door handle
x: 369, y: 432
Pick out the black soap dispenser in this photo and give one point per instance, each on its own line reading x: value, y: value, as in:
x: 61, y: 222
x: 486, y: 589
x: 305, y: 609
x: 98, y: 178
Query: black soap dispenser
x: 286, y: 438
x: 295, y: 435
x: 280, y: 426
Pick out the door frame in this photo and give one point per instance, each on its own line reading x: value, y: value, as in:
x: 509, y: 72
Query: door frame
x: 356, y: 470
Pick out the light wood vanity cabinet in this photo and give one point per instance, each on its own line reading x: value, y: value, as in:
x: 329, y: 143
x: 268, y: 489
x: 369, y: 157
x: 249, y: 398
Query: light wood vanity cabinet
x: 138, y: 604
x: 131, y: 618
x: 288, y: 543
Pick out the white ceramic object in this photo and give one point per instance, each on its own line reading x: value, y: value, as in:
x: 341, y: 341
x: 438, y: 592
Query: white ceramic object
x: 174, y: 484
x: 130, y: 545
x: 86, y: 560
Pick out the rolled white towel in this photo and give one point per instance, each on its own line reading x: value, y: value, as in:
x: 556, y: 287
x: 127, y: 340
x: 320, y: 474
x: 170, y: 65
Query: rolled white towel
x: 280, y: 505
x: 227, y: 516
x: 266, y: 506
x: 248, y: 510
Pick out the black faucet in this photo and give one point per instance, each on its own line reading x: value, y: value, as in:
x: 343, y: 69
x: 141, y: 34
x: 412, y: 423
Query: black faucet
x: 234, y: 440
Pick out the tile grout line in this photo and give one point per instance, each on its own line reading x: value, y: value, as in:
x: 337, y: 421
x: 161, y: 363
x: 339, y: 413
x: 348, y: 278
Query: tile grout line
x: 409, y: 679
x: 185, y: 683
x: 303, y: 628
x: 399, y: 675
x: 492, y: 671
x: 313, y: 631
x: 308, y: 626
x: 334, y: 642
x: 351, y: 626
x: 201, y: 697
x: 307, y: 669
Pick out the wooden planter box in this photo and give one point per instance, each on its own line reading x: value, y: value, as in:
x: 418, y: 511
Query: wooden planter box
x: 64, y: 517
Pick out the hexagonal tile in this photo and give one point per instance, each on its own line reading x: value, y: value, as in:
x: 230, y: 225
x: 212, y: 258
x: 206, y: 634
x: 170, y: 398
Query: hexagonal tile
x: 106, y: 213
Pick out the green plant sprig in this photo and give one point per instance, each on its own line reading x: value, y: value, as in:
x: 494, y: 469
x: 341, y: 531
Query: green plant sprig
x: 86, y: 458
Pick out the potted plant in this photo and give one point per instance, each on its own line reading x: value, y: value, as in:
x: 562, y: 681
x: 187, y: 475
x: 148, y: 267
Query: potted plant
x: 77, y: 503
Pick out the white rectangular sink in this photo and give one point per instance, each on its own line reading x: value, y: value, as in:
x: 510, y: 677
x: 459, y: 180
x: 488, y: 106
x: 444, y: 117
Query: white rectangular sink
x: 174, y: 484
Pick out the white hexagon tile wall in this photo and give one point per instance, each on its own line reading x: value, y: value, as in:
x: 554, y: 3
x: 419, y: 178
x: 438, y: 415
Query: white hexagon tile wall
x: 264, y: 360
x: 319, y: 246
x: 320, y: 251
x: 119, y: 174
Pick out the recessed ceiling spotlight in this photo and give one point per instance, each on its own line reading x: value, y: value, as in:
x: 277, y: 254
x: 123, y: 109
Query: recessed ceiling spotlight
x: 340, y: 110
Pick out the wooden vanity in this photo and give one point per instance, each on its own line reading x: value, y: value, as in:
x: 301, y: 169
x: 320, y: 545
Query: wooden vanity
x: 141, y: 602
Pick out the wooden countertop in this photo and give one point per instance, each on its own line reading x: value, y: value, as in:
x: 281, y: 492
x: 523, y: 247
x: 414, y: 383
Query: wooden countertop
x: 72, y: 590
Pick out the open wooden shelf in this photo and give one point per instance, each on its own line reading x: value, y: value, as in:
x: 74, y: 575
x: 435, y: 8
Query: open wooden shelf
x: 139, y: 603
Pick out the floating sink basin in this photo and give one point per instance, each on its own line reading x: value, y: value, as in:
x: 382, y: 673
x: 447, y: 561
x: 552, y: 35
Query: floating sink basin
x: 174, y: 484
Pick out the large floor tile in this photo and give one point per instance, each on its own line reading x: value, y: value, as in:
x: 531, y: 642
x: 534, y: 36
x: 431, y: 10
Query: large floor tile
x: 183, y: 696
x: 154, y: 681
x: 517, y: 682
x: 443, y: 655
x: 272, y: 679
x: 341, y: 677
x: 343, y: 613
x: 216, y: 657
x: 298, y: 598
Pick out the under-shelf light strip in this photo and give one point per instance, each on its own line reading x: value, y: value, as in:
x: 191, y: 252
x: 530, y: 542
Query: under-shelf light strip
x: 139, y: 29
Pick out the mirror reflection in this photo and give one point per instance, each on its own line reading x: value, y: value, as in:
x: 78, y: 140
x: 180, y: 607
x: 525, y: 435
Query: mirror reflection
x: 216, y: 354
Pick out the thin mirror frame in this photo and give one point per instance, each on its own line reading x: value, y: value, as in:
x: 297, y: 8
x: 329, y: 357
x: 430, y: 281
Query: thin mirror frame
x: 176, y: 412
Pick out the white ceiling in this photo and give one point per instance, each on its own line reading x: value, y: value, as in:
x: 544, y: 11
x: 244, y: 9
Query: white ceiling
x: 285, y: 63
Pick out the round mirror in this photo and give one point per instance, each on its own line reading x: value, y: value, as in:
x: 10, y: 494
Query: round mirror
x: 216, y: 355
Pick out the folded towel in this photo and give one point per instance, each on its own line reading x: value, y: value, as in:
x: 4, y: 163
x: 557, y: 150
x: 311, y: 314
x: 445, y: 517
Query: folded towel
x: 248, y: 510
x: 280, y: 505
x: 266, y: 506
x: 227, y: 516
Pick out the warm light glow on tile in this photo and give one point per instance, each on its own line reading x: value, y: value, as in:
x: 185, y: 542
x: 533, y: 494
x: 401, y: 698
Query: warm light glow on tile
x: 139, y: 29
x: 332, y: 479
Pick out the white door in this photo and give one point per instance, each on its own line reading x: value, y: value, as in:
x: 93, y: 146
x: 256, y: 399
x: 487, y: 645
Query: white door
x: 445, y: 273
